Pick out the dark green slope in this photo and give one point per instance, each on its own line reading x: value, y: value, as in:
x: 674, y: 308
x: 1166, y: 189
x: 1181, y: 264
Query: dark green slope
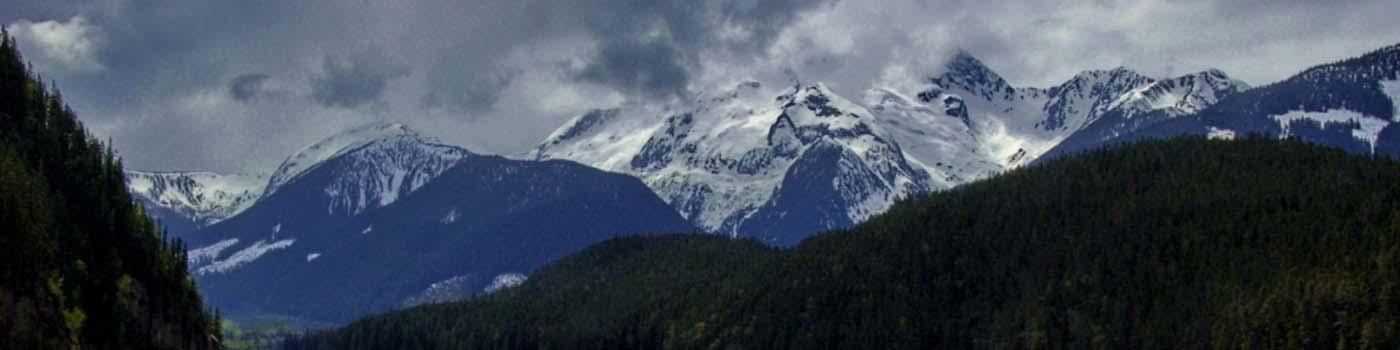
x: 81, y: 266
x: 1185, y: 243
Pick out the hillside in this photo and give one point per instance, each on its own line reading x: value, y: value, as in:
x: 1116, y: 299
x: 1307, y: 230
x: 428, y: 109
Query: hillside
x: 1184, y: 243
x: 81, y: 265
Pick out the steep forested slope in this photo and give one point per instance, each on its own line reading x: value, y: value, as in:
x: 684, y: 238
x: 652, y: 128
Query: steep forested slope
x: 1185, y: 243
x: 81, y: 266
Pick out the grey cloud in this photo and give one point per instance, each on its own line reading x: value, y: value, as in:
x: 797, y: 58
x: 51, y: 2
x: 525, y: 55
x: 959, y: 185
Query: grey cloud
x: 645, y: 48
x: 651, y: 47
x: 167, y: 100
x: 246, y: 87
x: 467, y: 90
x: 355, y: 81
x: 652, y: 68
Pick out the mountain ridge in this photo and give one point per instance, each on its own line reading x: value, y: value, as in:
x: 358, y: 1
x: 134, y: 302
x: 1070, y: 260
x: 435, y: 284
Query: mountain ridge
x: 405, y: 220
x: 1349, y: 104
x: 1188, y: 242
x: 964, y: 124
x: 198, y: 198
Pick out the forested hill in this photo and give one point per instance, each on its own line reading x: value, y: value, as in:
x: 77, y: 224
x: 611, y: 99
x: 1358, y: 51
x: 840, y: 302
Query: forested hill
x: 81, y: 266
x: 1184, y: 243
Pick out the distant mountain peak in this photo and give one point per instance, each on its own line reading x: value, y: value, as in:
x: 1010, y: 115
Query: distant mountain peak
x: 580, y: 125
x: 203, y: 197
x: 722, y: 162
x: 1180, y: 95
x: 963, y: 61
x: 1089, y: 94
x: 312, y: 155
x: 969, y: 73
x: 1117, y: 73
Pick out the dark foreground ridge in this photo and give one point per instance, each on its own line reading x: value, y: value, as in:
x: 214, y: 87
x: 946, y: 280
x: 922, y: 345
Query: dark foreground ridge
x: 81, y: 266
x: 1184, y: 243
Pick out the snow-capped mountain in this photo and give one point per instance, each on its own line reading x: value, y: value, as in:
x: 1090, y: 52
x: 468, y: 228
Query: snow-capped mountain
x: 735, y: 163
x: 1180, y: 96
x: 376, y: 166
x: 481, y: 218
x: 362, y: 168
x: 936, y: 134
x: 385, y: 161
x: 1015, y: 125
x: 723, y: 160
x: 1148, y: 105
x: 1350, y: 104
x: 968, y: 122
x: 184, y: 200
x: 403, y: 219
x: 400, y: 159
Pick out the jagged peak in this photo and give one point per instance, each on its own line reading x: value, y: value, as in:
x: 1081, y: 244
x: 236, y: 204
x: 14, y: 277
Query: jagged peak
x: 963, y: 60
x: 965, y: 69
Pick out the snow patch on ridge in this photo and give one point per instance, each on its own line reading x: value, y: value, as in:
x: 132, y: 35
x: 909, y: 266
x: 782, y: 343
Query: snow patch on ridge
x: 244, y: 256
x: 209, y: 252
x: 447, y: 290
x: 1392, y: 88
x: 504, y: 281
x: 450, y: 217
x: 1363, y: 127
x: 1220, y: 134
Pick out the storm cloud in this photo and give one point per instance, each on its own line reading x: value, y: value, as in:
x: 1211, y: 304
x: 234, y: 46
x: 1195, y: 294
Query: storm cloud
x: 355, y: 81
x: 655, y: 48
x: 235, y: 86
x: 247, y: 87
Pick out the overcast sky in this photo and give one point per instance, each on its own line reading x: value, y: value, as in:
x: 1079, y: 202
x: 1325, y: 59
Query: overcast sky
x: 235, y: 86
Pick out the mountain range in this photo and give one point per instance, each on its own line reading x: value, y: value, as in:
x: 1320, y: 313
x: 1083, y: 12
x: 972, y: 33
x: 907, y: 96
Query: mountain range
x: 383, y: 218
x: 1255, y: 243
x: 777, y: 164
x: 781, y: 168
x: 1350, y: 104
x: 724, y: 160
